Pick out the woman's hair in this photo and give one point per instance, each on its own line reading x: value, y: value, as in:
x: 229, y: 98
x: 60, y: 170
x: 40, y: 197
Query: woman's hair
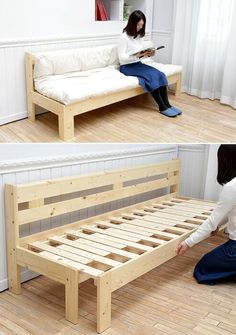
x: 226, y: 163
x: 131, y: 28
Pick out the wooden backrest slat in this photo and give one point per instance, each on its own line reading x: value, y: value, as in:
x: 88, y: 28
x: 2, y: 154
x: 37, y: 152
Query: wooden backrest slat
x: 67, y: 206
x: 47, y: 199
x: 56, y: 187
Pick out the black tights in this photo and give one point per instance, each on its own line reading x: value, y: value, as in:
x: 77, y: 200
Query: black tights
x: 160, y: 95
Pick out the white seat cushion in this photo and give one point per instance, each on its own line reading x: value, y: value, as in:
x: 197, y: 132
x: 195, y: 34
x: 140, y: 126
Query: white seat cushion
x: 72, y: 87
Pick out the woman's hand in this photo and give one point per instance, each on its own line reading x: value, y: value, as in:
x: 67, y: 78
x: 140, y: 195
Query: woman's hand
x: 146, y: 54
x: 182, y: 248
x: 151, y: 53
x: 215, y: 232
x: 142, y: 54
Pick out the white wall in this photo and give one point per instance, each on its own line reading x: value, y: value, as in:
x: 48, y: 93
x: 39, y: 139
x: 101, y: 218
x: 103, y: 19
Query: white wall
x: 194, y: 160
x: 212, y: 188
x: 162, y: 28
x: 27, y: 19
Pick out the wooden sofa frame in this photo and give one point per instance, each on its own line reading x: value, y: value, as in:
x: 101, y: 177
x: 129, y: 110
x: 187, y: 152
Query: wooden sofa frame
x: 66, y: 113
x: 113, y: 248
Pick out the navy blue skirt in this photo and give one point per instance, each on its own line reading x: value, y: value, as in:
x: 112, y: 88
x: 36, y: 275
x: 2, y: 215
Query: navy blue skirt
x: 149, y: 77
x: 218, y: 265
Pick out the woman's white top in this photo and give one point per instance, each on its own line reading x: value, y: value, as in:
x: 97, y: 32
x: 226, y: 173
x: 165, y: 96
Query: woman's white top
x: 225, y: 209
x: 128, y: 46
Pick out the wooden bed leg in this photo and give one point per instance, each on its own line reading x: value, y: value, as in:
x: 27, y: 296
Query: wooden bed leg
x: 31, y: 110
x: 66, y: 125
x: 103, y: 303
x: 178, y: 86
x: 12, y: 232
x: 14, y: 278
x: 72, y: 296
x: 29, y: 62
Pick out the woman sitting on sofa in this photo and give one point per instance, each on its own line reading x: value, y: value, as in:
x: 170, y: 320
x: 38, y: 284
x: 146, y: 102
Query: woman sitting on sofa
x: 151, y: 79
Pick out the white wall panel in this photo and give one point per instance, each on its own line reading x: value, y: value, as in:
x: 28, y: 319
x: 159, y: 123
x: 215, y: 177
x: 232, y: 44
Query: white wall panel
x: 194, y: 160
x: 162, y: 28
x: 212, y: 189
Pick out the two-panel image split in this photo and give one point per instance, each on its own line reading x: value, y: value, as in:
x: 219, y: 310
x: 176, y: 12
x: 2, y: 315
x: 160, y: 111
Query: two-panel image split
x: 117, y: 167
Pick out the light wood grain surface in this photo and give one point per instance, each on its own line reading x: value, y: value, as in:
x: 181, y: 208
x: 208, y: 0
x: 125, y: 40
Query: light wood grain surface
x: 135, y: 120
x: 166, y: 300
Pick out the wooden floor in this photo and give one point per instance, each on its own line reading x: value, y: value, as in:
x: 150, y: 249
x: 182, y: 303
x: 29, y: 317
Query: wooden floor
x: 166, y: 300
x: 136, y: 120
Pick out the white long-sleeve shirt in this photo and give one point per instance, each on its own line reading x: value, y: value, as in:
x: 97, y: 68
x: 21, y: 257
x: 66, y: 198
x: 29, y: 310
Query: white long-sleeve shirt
x: 225, y: 209
x: 128, y: 46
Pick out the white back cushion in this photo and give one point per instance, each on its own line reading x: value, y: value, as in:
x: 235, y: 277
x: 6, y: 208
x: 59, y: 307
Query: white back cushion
x: 72, y: 60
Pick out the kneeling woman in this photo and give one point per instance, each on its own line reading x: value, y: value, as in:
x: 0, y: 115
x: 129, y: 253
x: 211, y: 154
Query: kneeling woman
x: 151, y: 79
x: 219, y: 264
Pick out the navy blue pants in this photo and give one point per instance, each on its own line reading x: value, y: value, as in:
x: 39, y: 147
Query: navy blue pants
x: 217, y: 265
x: 149, y: 77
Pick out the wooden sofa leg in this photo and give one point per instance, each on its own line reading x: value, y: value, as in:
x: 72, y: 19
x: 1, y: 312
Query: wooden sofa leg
x: 12, y: 232
x: 66, y: 125
x: 31, y: 109
x: 178, y: 86
x: 72, y: 296
x: 103, y: 303
x: 14, y: 278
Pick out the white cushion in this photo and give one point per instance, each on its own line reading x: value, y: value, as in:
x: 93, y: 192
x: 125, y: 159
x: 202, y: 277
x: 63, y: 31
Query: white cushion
x: 73, y: 60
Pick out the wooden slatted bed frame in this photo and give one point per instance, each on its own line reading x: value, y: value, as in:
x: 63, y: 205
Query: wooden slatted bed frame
x: 66, y: 113
x: 112, y: 248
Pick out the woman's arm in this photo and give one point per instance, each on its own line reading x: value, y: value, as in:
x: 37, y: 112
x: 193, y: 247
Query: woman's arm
x: 226, y: 202
x: 123, y: 55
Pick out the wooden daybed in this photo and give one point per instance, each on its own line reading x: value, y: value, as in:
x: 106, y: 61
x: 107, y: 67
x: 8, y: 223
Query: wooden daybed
x: 113, y: 248
x: 66, y: 113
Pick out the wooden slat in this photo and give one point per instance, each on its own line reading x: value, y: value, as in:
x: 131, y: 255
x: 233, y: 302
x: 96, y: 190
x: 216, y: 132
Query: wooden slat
x: 111, y: 240
x: 177, y: 209
x: 107, y: 248
x: 126, y: 235
x: 55, y: 187
x: 74, y: 254
x: 147, y: 231
x: 78, y: 245
x: 66, y: 258
x: 196, y: 201
x: 161, y: 220
x: 89, y: 255
x: 40, y: 246
x: 160, y: 214
x: 179, y: 212
x: 186, y: 205
x: 98, y: 239
x: 137, y: 230
x: 97, y: 249
x: 151, y: 225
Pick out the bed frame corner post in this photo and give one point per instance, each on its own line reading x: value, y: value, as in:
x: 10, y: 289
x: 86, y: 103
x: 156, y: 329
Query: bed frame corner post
x: 103, y: 303
x: 29, y: 65
x: 178, y: 85
x: 12, y: 232
x: 72, y: 296
x: 66, y: 124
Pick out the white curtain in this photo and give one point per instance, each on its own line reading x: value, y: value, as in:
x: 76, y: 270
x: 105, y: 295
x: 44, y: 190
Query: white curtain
x: 204, y: 43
